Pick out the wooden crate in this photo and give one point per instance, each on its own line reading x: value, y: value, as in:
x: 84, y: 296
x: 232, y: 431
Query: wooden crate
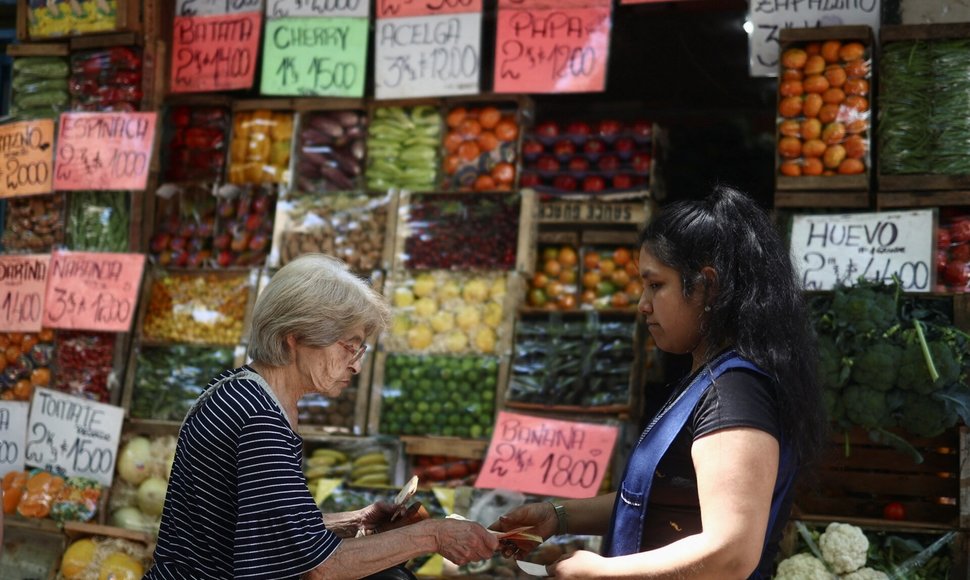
x: 903, y: 199
x: 831, y: 184
x: 905, y: 185
x: 128, y: 19
x: 873, y: 475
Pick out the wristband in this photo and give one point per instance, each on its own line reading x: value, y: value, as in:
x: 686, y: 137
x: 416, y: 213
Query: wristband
x: 561, y: 517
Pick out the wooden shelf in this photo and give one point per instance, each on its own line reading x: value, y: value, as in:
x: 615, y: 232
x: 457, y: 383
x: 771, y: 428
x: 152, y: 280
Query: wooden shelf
x: 921, y: 199
x: 921, y: 183
x: 450, y: 446
x: 107, y: 40
x: 44, y: 49
x: 830, y: 184
x: 153, y: 427
x: 873, y: 524
x: 75, y: 530
x: 898, y: 32
x: 829, y: 200
x: 45, y: 525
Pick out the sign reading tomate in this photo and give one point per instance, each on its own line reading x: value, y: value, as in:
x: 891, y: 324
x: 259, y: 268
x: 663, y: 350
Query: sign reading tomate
x: 545, y: 46
x: 92, y: 291
x: 23, y: 280
x: 215, y: 53
x: 104, y: 151
x: 26, y: 158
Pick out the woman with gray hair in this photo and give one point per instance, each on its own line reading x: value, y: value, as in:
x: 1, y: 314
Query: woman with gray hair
x: 237, y: 503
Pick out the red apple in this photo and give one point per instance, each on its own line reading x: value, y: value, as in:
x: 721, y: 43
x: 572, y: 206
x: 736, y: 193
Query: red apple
x: 594, y: 147
x: 943, y: 239
x: 529, y: 180
x: 594, y: 184
x: 565, y: 182
x: 643, y: 129
x: 942, y: 259
x: 579, y: 129
x: 623, y: 181
x: 198, y: 259
x: 532, y: 148
x: 261, y: 203
x: 224, y: 259
x: 608, y: 127
x: 641, y: 162
x: 179, y: 244
x: 547, y: 163
x: 564, y: 148
x: 960, y: 252
x: 180, y: 258
x: 548, y: 129
x: 580, y: 164
x: 609, y: 163
x: 625, y: 145
x: 254, y: 221
x: 956, y: 274
x: 240, y: 241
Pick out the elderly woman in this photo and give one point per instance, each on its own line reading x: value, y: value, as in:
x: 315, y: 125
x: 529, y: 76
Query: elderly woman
x: 237, y: 504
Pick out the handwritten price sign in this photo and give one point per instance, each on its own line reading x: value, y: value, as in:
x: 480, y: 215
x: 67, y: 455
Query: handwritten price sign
x: 547, y: 457
x: 73, y: 436
x: 550, y: 47
x: 215, y: 7
x: 23, y: 280
x: 26, y: 158
x: 333, y: 8
x: 93, y: 291
x: 215, y: 53
x: 315, y: 56
x: 13, y: 435
x: 403, y: 8
x: 104, y: 151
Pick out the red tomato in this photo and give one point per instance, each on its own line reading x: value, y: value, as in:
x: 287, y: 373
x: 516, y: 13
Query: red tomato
x: 894, y: 511
x: 960, y: 252
x: 956, y: 274
x: 960, y: 231
x: 943, y: 239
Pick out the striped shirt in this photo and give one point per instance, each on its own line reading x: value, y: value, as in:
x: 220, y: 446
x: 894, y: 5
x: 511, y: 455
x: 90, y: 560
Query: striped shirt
x: 238, y: 504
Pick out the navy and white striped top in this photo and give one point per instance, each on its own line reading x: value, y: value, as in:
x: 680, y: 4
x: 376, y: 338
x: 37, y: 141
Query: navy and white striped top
x: 237, y: 503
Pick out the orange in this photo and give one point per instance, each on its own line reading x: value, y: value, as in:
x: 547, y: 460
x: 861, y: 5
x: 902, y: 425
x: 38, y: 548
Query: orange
x: 620, y: 300
x: 811, y: 129
x: 588, y: 297
x: 634, y: 289
x: 855, y: 147
x: 791, y: 88
x: 790, y: 107
x: 790, y: 128
x: 813, y: 148
x: 552, y: 268
x: 794, y: 58
x: 852, y: 51
x: 830, y: 51
x: 12, y: 353
x: 28, y: 343
x: 39, y: 482
x: 790, y: 147
x: 456, y: 116
x: 567, y: 256
x: 790, y: 168
x: 857, y: 126
x: 792, y: 74
x: 23, y: 390
x: 607, y: 266
x: 539, y: 280
x: 620, y: 277
x: 16, y: 337
x: 452, y: 162
x: 11, y: 497
x: 591, y: 279
x: 834, y: 96
x: 857, y: 102
x: 833, y: 133
x: 40, y: 377
x: 469, y: 151
x: 835, y: 75
x: 503, y: 173
x: 857, y: 87
x: 815, y: 65
x: 487, y: 141
x: 815, y: 84
x: 567, y: 301
x: 484, y: 183
x: 470, y: 128
x: 851, y: 167
x: 833, y: 156
x: 591, y: 260
x: 857, y: 68
x: 828, y: 113
x: 813, y: 48
x: 812, y: 166
x: 489, y: 117
x: 4, y: 341
x: 46, y: 335
x: 621, y: 256
x: 507, y: 130
x: 452, y: 141
x: 813, y: 103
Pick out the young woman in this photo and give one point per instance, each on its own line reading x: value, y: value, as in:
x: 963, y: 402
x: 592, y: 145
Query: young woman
x: 707, y: 489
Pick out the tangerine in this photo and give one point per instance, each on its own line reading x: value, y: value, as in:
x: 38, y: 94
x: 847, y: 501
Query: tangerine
x: 620, y: 300
x: 812, y: 166
x: 456, y: 116
x: 790, y: 107
x: 12, y: 354
x: 835, y: 75
x: 452, y: 162
x: 830, y: 51
x: 591, y: 260
x: 452, y: 141
x: 855, y: 147
x: 833, y: 133
x: 857, y: 68
x: 858, y: 87
x: 815, y: 65
x: 621, y: 257
x: 852, y: 51
x: 851, y: 166
x: 484, y: 183
x: 811, y: 129
x: 828, y: 113
x: 816, y: 84
x: 567, y: 256
x: 834, y: 96
x: 487, y: 141
x: 813, y: 103
x: 507, y: 130
x: 813, y: 148
x: 790, y: 168
x: 469, y: 151
x: 813, y: 48
x: 490, y: 117
x: 789, y: 128
x: 791, y: 88
x: 470, y: 128
x: 503, y: 173
x: 833, y: 156
x: 794, y: 58
x: 790, y: 147
x: 792, y: 74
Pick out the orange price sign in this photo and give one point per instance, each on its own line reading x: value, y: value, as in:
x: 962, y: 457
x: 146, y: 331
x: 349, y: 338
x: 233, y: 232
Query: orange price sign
x: 104, y: 151
x: 543, y: 46
x: 27, y: 158
x: 93, y: 291
x: 547, y: 456
x: 215, y: 53
x: 405, y: 8
x: 23, y: 280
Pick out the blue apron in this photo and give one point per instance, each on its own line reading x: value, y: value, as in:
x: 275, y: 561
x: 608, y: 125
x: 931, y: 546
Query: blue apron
x: 630, y: 508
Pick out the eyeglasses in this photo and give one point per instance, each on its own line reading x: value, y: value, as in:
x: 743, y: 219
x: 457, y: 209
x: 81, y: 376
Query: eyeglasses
x: 358, y: 352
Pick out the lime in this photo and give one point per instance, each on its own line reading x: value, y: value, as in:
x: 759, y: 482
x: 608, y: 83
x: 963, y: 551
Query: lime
x: 448, y: 407
x: 475, y: 431
x: 488, y: 395
x: 436, y: 407
x: 416, y: 418
x: 408, y: 405
x: 454, y: 420
x: 447, y: 432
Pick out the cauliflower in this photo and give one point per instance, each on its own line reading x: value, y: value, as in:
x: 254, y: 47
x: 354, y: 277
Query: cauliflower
x: 866, y: 574
x: 802, y: 567
x: 844, y: 547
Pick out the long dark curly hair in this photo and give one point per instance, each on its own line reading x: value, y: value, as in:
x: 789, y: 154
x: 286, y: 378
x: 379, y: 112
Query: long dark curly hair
x: 757, y: 305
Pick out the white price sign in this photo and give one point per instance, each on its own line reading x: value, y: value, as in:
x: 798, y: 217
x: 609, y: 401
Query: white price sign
x: 829, y: 250
x: 331, y: 8
x: 13, y: 435
x: 73, y: 436
x: 216, y: 7
x: 426, y: 56
x: 767, y: 18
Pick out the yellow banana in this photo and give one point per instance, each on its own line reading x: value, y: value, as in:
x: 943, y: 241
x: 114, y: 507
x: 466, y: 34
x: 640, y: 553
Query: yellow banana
x: 339, y: 456
x: 359, y: 472
x: 374, y: 458
x: 373, y: 479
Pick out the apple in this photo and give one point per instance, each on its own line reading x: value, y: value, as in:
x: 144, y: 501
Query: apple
x: 187, y: 229
x: 254, y: 221
x: 180, y: 258
x: 625, y: 145
x: 594, y: 147
x: 943, y: 239
x: 956, y: 274
x: 548, y: 163
x: 579, y: 129
x: 224, y: 259
x: 580, y: 164
x: 179, y: 244
x: 594, y: 184
x: 609, y: 163
x: 531, y: 147
x: 564, y: 148
x: 960, y: 252
x: 198, y: 259
x: 623, y: 181
x: 641, y: 162
x: 608, y: 127
x: 261, y: 203
x: 196, y: 244
x: 529, y: 180
x: 565, y: 183
x: 547, y: 129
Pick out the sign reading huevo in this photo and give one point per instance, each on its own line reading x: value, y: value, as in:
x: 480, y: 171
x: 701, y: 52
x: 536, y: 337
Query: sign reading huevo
x: 93, y: 291
x: 215, y: 53
x: 104, y: 151
x: 23, y: 281
x: 552, y: 47
x: 27, y: 158
x: 546, y: 456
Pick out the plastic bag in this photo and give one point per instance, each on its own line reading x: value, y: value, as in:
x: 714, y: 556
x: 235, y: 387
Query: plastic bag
x: 331, y: 151
x: 260, y: 148
x: 169, y: 379
x: 481, y: 146
x: 85, y: 364
x: 197, y: 141
x: 953, y: 250
x: 197, y: 308
x: 98, y: 221
x: 35, y: 223
x: 40, y: 87
x: 402, y: 148
x: 27, y: 359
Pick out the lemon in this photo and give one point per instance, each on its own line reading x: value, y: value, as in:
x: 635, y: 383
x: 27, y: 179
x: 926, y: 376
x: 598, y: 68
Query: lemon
x: 403, y: 297
x: 450, y: 290
x: 120, y: 566
x: 468, y: 317
x: 419, y: 337
x: 497, y: 292
x: 443, y: 321
x: 485, y: 340
x: 425, y: 307
x: 77, y: 558
x: 475, y: 291
x: 493, y: 314
x: 400, y: 325
x: 424, y: 285
x: 456, y: 341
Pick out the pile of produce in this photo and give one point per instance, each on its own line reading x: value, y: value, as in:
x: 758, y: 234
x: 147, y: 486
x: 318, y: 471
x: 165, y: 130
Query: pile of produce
x: 138, y: 494
x: 610, y: 278
x: 886, y: 361
x: 359, y: 462
x: 338, y: 414
x: 34, y: 223
x: 823, y: 109
x: 350, y: 227
x: 331, y: 152
x: 438, y: 395
x: 25, y: 363
x: 40, y: 87
x: 847, y: 552
x: 466, y: 232
x: 197, y: 308
x: 555, y: 285
x: 953, y: 249
x: 443, y: 471
x: 244, y: 228
x: 185, y: 226
x: 402, y: 148
x: 106, y: 80
x: 53, y: 19
x: 84, y: 362
x: 104, y: 558
x: 260, y: 148
x: 923, y: 127
x: 169, y: 379
x: 599, y: 157
x: 480, y: 149
x: 579, y: 362
x: 41, y: 494
x: 97, y: 221
x: 442, y: 311
x: 197, y: 141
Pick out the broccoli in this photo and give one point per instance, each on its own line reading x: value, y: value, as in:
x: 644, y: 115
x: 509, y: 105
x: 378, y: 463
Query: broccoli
x: 866, y: 407
x: 833, y: 405
x: 877, y: 366
x: 924, y: 416
x: 867, y: 311
x: 914, y: 373
x: 830, y: 373
x: 946, y: 362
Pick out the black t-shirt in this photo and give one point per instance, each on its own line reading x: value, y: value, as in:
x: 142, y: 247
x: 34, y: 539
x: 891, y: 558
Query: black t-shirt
x: 739, y: 398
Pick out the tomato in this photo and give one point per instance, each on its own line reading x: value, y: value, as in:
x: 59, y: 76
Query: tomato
x: 960, y: 252
x: 960, y: 231
x: 894, y: 511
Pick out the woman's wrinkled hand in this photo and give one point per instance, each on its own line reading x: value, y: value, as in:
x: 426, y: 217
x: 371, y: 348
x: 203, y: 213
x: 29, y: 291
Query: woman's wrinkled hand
x: 374, y: 516
x: 462, y: 541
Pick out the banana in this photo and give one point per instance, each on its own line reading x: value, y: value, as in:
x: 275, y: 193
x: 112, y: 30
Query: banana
x: 374, y: 458
x: 368, y: 470
x: 321, y: 461
x: 317, y: 472
x: 373, y: 479
x: 339, y: 456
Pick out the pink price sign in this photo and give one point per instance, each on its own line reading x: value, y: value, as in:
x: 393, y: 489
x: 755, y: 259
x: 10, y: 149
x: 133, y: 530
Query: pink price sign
x: 215, y: 53
x: 23, y: 280
x: 546, y: 456
x: 552, y: 47
x: 406, y: 8
x: 104, y: 151
x: 93, y: 291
